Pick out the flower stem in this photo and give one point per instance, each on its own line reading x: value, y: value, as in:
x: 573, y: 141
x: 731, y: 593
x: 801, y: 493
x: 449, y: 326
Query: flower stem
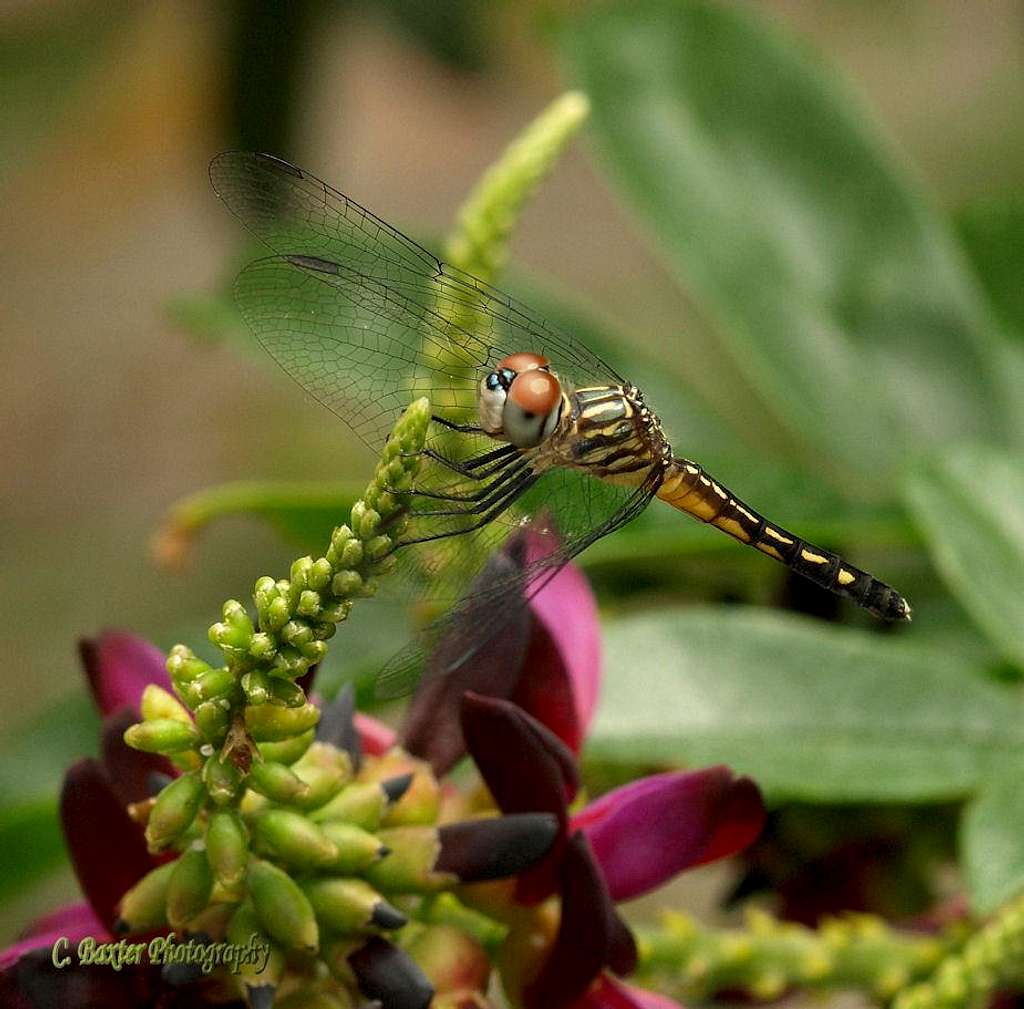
x: 768, y: 957
x: 479, y: 243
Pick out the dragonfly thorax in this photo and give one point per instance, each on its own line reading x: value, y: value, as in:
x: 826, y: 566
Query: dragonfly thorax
x: 520, y: 401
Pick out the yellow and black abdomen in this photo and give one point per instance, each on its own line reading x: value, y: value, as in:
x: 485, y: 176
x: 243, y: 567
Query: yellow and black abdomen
x: 689, y: 488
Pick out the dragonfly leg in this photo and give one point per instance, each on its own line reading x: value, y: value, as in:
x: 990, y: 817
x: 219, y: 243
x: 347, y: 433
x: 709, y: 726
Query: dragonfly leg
x: 499, y: 457
x: 474, y: 496
x: 452, y: 426
x: 513, y: 492
x: 482, y: 499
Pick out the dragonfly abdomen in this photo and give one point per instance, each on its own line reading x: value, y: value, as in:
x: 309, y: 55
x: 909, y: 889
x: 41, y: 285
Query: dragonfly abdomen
x: 691, y: 489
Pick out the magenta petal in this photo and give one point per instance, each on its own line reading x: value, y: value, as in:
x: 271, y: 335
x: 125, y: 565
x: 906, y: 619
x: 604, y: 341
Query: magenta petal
x: 562, y: 671
x: 611, y: 994
x: 119, y: 667
x: 646, y: 832
x: 75, y: 921
x: 106, y: 846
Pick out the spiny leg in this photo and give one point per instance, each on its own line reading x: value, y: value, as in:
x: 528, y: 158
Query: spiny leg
x: 509, y: 473
x: 512, y: 493
x: 466, y: 467
x: 481, y: 502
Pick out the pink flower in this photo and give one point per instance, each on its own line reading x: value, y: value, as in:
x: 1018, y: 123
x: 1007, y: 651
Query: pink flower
x: 546, y: 658
x: 624, y: 844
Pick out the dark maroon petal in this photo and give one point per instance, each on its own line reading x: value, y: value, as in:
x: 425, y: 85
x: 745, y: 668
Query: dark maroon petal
x: 646, y: 832
x: 35, y: 983
x: 580, y: 949
x: 128, y: 770
x: 622, y: 951
x: 106, y: 846
x: 495, y: 847
x: 388, y: 974
x: 527, y: 769
x: 611, y: 994
x: 561, y: 675
x: 431, y: 729
x: 119, y: 667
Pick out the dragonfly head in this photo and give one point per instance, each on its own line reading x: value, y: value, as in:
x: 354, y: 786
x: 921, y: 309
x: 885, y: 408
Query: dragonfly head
x: 520, y: 400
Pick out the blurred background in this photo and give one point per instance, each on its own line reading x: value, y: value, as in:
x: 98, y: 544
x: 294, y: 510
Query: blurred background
x: 114, y: 402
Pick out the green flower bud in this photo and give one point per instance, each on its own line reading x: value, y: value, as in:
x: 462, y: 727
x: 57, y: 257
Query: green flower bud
x: 174, y: 810
x: 291, y: 838
x: 210, y: 686
x: 299, y: 575
x: 378, y: 548
x: 222, y: 779
x: 263, y: 647
x: 162, y: 735
x: 256, y: 686
x: 158, y: 703
x: 277, y: 782
x: 336, y: 612
x: 309, y: 604
x: 214, y: 720
x: 243, y: 926
x: 358, y: 849
x: 283, y: 909
x: 363, y: 803
x: 285, y: 693
x: 189, y: 888
x: 320, y: 575
x: 144, y: 906
x: 352, y: 555
x: 269, y: 723
x: 326, y: 770
x: 183, y: 665
x: 409, y: 868
x: 351, y: 906
x: 277, y: 614
x: 287, y: 751
x: 346, y: 584
x: 227, y: 847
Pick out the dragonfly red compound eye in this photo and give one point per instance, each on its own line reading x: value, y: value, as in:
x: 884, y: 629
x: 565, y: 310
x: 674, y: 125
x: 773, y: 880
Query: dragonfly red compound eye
x: 535, y: 392
x: 523, y: 361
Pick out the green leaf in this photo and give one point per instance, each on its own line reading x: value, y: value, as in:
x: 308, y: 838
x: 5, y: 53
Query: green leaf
x: 970, y: 507
x: 31, y: 840
x: 990, y: 840
x: 992, y: 233
x: 811, y: 711
x: 829, y: 279
x: 304, y: 512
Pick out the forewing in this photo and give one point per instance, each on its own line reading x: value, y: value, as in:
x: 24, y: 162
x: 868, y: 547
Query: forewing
x: 567, y: 511
x: 441, y: 325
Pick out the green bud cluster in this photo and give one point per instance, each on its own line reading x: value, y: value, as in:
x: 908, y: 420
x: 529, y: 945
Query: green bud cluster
x: 769, y: 957
x: 991, y: 959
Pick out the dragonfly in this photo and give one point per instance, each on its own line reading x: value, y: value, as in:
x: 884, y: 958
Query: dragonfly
x: 529, y: 425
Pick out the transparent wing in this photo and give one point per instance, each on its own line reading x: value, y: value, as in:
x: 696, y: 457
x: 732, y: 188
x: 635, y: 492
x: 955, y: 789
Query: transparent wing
x: 363, y: 317
x: 570, y: 511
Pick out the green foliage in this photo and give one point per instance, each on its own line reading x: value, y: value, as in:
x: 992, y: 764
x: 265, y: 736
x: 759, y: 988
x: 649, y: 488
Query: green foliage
x: 990, y: 839
x: 812, y: 712
x: 830, y: 280
x: 970, y: 505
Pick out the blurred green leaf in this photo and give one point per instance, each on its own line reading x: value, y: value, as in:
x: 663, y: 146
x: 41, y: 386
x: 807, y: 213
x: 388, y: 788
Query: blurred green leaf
x: 32, y: 766
x: 830, y: 280
x: 970, y: 507
x: 811, y: 711
x: 33, y: 761
x: 305, y: 513
x: 32, y: 843
x: 990, y: 840
x: 992, y: 233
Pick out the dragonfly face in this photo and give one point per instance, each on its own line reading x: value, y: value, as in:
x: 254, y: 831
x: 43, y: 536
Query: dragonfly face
x: 521, y: 400
x: 531, y: 424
